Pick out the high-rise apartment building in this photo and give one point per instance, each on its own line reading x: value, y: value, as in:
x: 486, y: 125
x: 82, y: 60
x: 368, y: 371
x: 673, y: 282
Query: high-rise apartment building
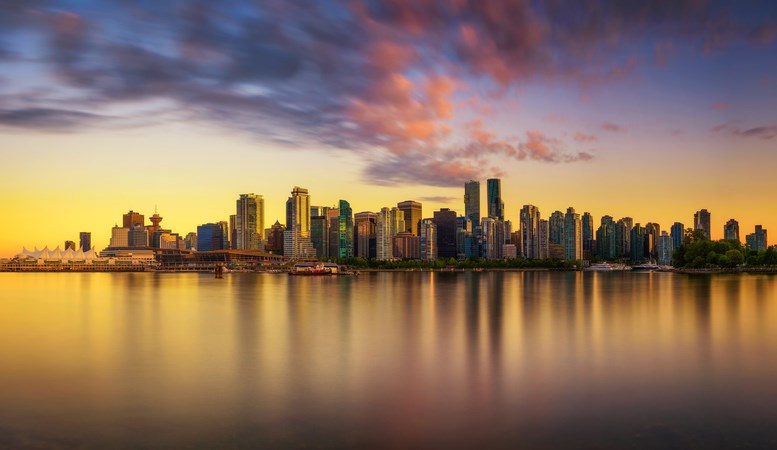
x: 638, y: 243
x: 249, y: 222
x: 701, y: 221
x: 494, y: 196
x: 275, y: 238
x: 493, y: 237
x: 544, y: 237
x: 137, y: 236
x: 757, y: 241
x: 463, y: 231
x: 606, y: 243
x: 530, y: 232
x: 653, y: 230
x: 573, y: 235
x: 296, y: 238
x: 556, y: 224
x: 589, y: 243
x: 390, y: 222
x: 345, y: 230
x: 412, y: 212
x: 731, y: 230
x: 472, y: 201
x: 623, y: 236
x: 70, y: 245
x: 407, y: 246
x: 233, y: 231
x: 85, y: 239
x: 428, y: 240
x: 665, y: 248
x: 119, y: 236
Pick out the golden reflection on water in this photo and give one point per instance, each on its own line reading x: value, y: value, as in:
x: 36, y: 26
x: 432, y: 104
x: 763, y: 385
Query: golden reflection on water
x: 386, y: 359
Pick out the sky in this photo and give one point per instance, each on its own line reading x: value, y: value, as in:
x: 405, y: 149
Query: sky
x: 651, y: 110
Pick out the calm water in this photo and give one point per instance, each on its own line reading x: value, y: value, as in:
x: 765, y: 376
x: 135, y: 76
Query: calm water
x: 388, y: 360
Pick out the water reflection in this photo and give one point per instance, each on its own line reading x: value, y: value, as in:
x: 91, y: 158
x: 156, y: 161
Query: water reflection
x: 392, y: 360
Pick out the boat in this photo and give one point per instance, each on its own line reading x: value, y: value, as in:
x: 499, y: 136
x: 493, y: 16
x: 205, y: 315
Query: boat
x: 310, y: 270
x: 601, y: 267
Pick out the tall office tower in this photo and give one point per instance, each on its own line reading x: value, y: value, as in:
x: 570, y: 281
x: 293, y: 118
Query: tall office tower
x: 428, y: 240
x: 472, y: 201
x: 70, y: 245
x: 757, y: 241
x: 544, y: 236
x: 365, y: 235
x: 345, y: 229
x: 606, y: 243
x: 233, y: 231
x: 556, y: 223
x: 334, y: 232
x: 665, y: 248
x: 190, y: 242
x: 137, y: 236
x: 275, y: 238
x: 589, y: 243
x: 132, y: 218
x: 296, y: 238
x: 573, y: 235
x: 530, y: 232
x: 319, y: 231
x: 731, y: 230
x: 463, y: 229
x: 496, y: 206
x: 445, y: 219
x: 224, y: 234
x: 119, y: 236
x: 678, y: 234
x: 210, y: 237
x: 249, y: 222
x: 651, y: 242
x: 638, y: 243
x: 623, y: 231
x: 412, y: 212
x: 398, y: 219
x: 701, y: 221
x: 493, y: 237
x: 407, y: 246
x: 385, y: 235
x: 85, y: 239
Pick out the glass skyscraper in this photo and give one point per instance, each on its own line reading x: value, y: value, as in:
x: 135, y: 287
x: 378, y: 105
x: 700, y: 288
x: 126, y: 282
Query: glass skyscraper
x: 345, y: 230
x: 472, y: 201
x: 495, y: 204
x: 249, y: 222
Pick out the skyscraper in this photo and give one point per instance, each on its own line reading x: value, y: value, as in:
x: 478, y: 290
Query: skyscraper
x: 119, y: 236
x: 365, y: 235
x: 495, y: 204
x: 445, y: 219
x: 665, y: 248
x: 412, y: 212
x: 530, y: 232
x: 345, y: 230
x: 407, y: 246
x: 731, y: 230
x: 638, y: 243
x: 493, y: 237
x: 275, y: 238
x: 605, y: 238
x: 653, y: 230
x: 428, y: 240
x: 296, y: 238
x: 249, y: 222
x: 701, y: 221
x: 573, y: 235
x: 70, y: 245
x: 472, y: 201
x: 589, y: 243
x: 85, y: 239
x: 386, y: 230
x: 544, y: 234
x: 319, y: 231
x: 556, y: 224
x: 623, y: 236
x: 678, y: 234
x: 137, y: 236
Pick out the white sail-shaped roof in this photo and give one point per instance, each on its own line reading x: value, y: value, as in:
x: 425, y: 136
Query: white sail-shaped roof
x: 79, y: 255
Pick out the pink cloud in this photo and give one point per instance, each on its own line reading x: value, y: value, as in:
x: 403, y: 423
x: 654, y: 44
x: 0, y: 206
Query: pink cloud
x: 720, y: 106
x: 614, y: 127
x: 582, y: 137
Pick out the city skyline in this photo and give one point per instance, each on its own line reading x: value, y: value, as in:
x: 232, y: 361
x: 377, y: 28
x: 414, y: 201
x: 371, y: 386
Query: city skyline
x: 649, y: 111
x: 528, y: 244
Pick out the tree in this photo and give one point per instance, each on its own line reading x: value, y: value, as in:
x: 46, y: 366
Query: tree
x: 735, y: 258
